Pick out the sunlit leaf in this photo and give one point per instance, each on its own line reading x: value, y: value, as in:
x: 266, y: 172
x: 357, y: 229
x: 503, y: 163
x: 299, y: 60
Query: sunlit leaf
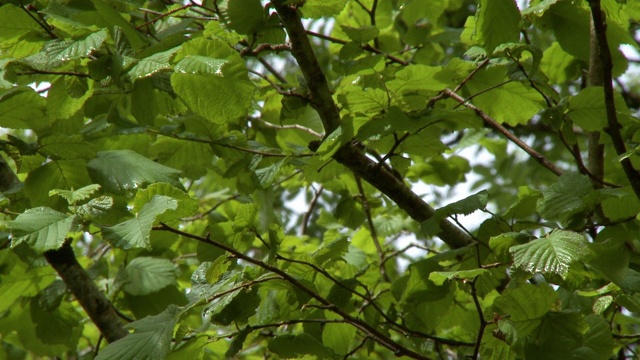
x: 551, y: 254
x: 42, y: 228
x: 122, y: 171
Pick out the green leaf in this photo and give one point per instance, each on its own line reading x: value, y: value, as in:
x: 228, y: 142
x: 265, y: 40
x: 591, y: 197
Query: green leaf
x: 59, y: 51
x: 60, y: 103
x: 153, y: 64
x: 421, y: 78
x: 15, y: 22
x: 42, y: 228
x: 145, y: 275
x: 60, y: 146
x: 439, y: 277
x: 134, y: 233
x: 150, y: 340
x: 588, y: 110
x: 186, y: 205
x: 338, y: 337
x: 315, y: 9
x: 294, y: 346
x: 493, y: 348
x: 22, y: 280
x: 498, y: 22
x: 463, y: 207
x: 65, y: 319
x: 552, y: 254
x: 244, y: 16
x: 513, y: 103
x: 525, y: 305
x: 22, y: 108
x: 571, y: 196
x: 95, y: 208
x: 223, y: 97
x: 200, y: 65
x: 123, y: 171
x: 267, y: 175
x: 361, y: 35
x: 74, y: 196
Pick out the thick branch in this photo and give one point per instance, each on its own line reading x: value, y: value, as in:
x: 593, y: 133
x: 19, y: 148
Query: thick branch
x: 350, y: 154
x: 93, y: 301
x: 614, y: 126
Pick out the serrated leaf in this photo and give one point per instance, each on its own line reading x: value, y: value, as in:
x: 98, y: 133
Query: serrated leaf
x: 552, y: 254
x: 294, y: 346
x: 60, y: 103
x: 25, y: 281
x: 134, y: 233
x: 153, y: 64
x: 267, y: 175
x: 186, y: 205
x: 65, y: 319
x: 151, y: 338
x: 200, y: 65
x: 338, y: 337
x: 15, y: 22
x: 123, y: 171
x: 525, y: 305
x: 465, y: 206
x: 60, y: 146
x: 513, y: 102
x: 146, y: 275
x: 587, y: 109
x: 62, y: 174
x: 361, y: 35
x: 498, y: 22
x: 315, y: 9
x: 571, y: 195
x: 22, y: 108
x: 421, y: 78
x: 219, y: 98
x: 95, y: 208
x: 244, y: 16
x: 73, y: 196
x: 439, y: 277
x: 42, y: 228
x: 59, y: 51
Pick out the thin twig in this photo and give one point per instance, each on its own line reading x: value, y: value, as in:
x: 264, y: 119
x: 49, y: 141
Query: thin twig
x: 183, y: 7
x: 366, y: 47
x: 285, y: 127
x: 312, y: 205
x: 46, y: 72
x: 272, y: 70
x: 501, y: 129
x: 363, y: 326
x: 483, y: 323
x: 44, y: 25
x: 372, y: 229
x: 471, y: 74
x: 581, y: 167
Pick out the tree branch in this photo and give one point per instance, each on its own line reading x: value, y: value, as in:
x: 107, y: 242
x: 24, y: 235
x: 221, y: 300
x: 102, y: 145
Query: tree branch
x: 614, y: 126
x: 350, y: 154
x: 501, y: 129
x: 363, y: 326
x: 93, y: 301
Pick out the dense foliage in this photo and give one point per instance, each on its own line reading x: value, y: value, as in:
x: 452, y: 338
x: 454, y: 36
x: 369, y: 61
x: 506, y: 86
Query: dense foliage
x: 200, y: 180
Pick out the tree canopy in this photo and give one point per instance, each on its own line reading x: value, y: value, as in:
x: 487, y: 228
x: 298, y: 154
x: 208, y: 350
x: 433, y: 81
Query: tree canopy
x: 246, y: 179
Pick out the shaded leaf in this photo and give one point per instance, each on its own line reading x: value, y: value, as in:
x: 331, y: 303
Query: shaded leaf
x: 145, y: 275
x: 151, y: 338
x: 134, y: 233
